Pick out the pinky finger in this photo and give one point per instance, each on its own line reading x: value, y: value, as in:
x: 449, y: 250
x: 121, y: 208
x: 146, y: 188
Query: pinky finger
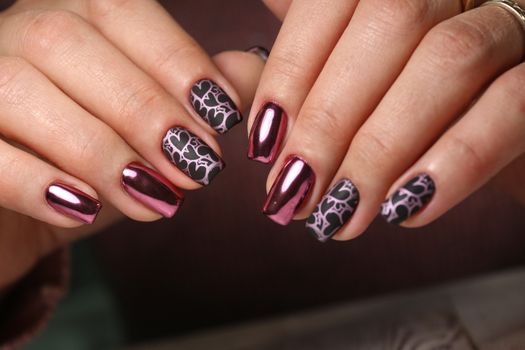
x: 488, y: 138
x: 34, y: 188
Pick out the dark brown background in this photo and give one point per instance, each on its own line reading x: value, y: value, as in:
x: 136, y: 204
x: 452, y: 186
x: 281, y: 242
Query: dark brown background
x: 220, y: 260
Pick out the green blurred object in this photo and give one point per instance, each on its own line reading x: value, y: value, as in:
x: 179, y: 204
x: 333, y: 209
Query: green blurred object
x: 87, y: 318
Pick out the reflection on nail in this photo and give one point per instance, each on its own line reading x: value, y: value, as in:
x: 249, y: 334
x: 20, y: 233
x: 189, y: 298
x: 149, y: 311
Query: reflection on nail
x: 73, y: 203
x: 334, y: 210
x: 192, y: 156
x: 289, y: 191
x: 214, y: 106
x: 151, y: 189
x: 409, y: 199
x: 260, y: 51
x: 267, y: 134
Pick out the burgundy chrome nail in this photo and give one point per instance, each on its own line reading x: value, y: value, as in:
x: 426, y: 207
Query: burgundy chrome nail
x: 152, y: 189
x: 260, y: 51
x: 267, y: 133
x: 289, y: 191
x: 73, y: 203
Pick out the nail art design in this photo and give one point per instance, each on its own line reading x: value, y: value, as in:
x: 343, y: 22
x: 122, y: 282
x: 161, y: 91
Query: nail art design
x: 73, y: 203
x: 152, y: 189
x: 192, y: 156
x: 267, y: 134
x: 214, y: 106
x: 260, y: 51
x: 334, y: 210
x: 408, y: 200
x: 289, y: 191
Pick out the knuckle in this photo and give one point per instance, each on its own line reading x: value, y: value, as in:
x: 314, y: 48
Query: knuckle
x: 11, y: 70
x: 91, y: 143
x: 456, y: 42
x: 327, y: 123
x: 140, y: 102
x: 101, y: 8
x: 511, y: 85
x: 370, y: 150
x: 45, y: 30
x: 472, y: 159
x: 403, y: 13
x: 286, y: 65
x: 169, y: 57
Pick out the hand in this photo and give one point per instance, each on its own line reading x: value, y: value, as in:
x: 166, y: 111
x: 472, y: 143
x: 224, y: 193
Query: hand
x: 104, y: 98
x: 414, y: 100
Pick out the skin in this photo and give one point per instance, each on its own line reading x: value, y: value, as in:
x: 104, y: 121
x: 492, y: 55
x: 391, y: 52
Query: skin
x: 381, y: 91
x: 136, y: 67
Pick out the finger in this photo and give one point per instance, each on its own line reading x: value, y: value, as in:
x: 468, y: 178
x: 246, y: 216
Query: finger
x: 278, y: 7
x: 148, y: 35
x: 37, y: 115
x: 243, y: 69
x: 96, y: 75
x: 34, y: 188
x: 297, y: 58
x: 351, y: 85
x: 450, y: 68
x: 487, y: 139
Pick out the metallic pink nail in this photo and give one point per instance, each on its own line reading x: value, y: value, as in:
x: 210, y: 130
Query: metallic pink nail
x: 289, y: 191
x: 267, y: 134
x: 152, y: 189
x: 73, y: 203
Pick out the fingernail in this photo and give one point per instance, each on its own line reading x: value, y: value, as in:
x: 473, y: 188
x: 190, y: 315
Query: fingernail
x: 260, y: 51
x: 214, y: 106
x: 289, y: 191
x: 409, y: 199
x: 152, y: 189
x: 192, y: 156
x: 267, y: 134
x: 73, y: 203
x: 334, y: 210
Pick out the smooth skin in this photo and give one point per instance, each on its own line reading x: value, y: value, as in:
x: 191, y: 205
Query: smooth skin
x: 86, y: 87
x: 381, y: 91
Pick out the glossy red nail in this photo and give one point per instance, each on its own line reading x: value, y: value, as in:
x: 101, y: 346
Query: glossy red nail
x: 152, y: 189
x: 267, y: 134
x: 73, y: 203
x: 289, y: 191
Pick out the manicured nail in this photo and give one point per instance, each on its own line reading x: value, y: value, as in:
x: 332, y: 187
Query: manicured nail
x: 260, y: 51
x: 152, y: 189
x: 73, y: 203
x: 192, y: 156
x: 334, y: 210
x: 214, y: 106
x: 267, y: 134
x: 289, y: 191
x: 409, y: 199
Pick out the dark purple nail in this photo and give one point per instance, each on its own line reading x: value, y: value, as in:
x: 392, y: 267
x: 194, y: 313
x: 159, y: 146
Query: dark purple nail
x: 73, y: 203
x: 289, y: 191
x: 260, y: 51
x: 214, y: 106
x: 409, y: 199
x: 152, y: 189
x: 267, y: 134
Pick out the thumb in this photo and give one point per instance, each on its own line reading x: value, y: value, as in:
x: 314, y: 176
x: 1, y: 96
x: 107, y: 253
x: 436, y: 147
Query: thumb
x: 278, y: 7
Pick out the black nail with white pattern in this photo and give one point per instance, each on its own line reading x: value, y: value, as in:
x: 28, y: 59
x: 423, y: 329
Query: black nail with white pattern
x: 409, y: 199
x: 334, y: 210
x: 191, y: 155
x: 214, y: 106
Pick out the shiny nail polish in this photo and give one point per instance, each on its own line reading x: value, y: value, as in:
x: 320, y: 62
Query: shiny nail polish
x: 73, y: 203
x: 214, y: 106
x: 289, y: 191
x: 409, y: 199
x: 334, y: 210
x: 260, y: 51
x: 267, y: 134
x: 151, y: 189
x: 191, y: 155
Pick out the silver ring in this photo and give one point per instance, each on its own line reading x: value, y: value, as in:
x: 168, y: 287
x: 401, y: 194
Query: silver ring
x: 511, y: 6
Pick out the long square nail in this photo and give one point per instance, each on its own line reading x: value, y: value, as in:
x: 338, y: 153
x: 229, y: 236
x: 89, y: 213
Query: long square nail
x: 214, y: 106
x: 334, y: 211
x: 152, y: 189
x: 409, y: 199
x: 192, y: 155
x: 267, y: 134
x: 289, y: 191
x: 73, y: 203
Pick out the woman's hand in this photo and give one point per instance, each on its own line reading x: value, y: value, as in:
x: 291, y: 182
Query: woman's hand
x: 104, y: 98
x: 411, y: 100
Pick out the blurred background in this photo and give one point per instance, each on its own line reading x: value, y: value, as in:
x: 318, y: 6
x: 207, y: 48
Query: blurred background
x: 220, y: 264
